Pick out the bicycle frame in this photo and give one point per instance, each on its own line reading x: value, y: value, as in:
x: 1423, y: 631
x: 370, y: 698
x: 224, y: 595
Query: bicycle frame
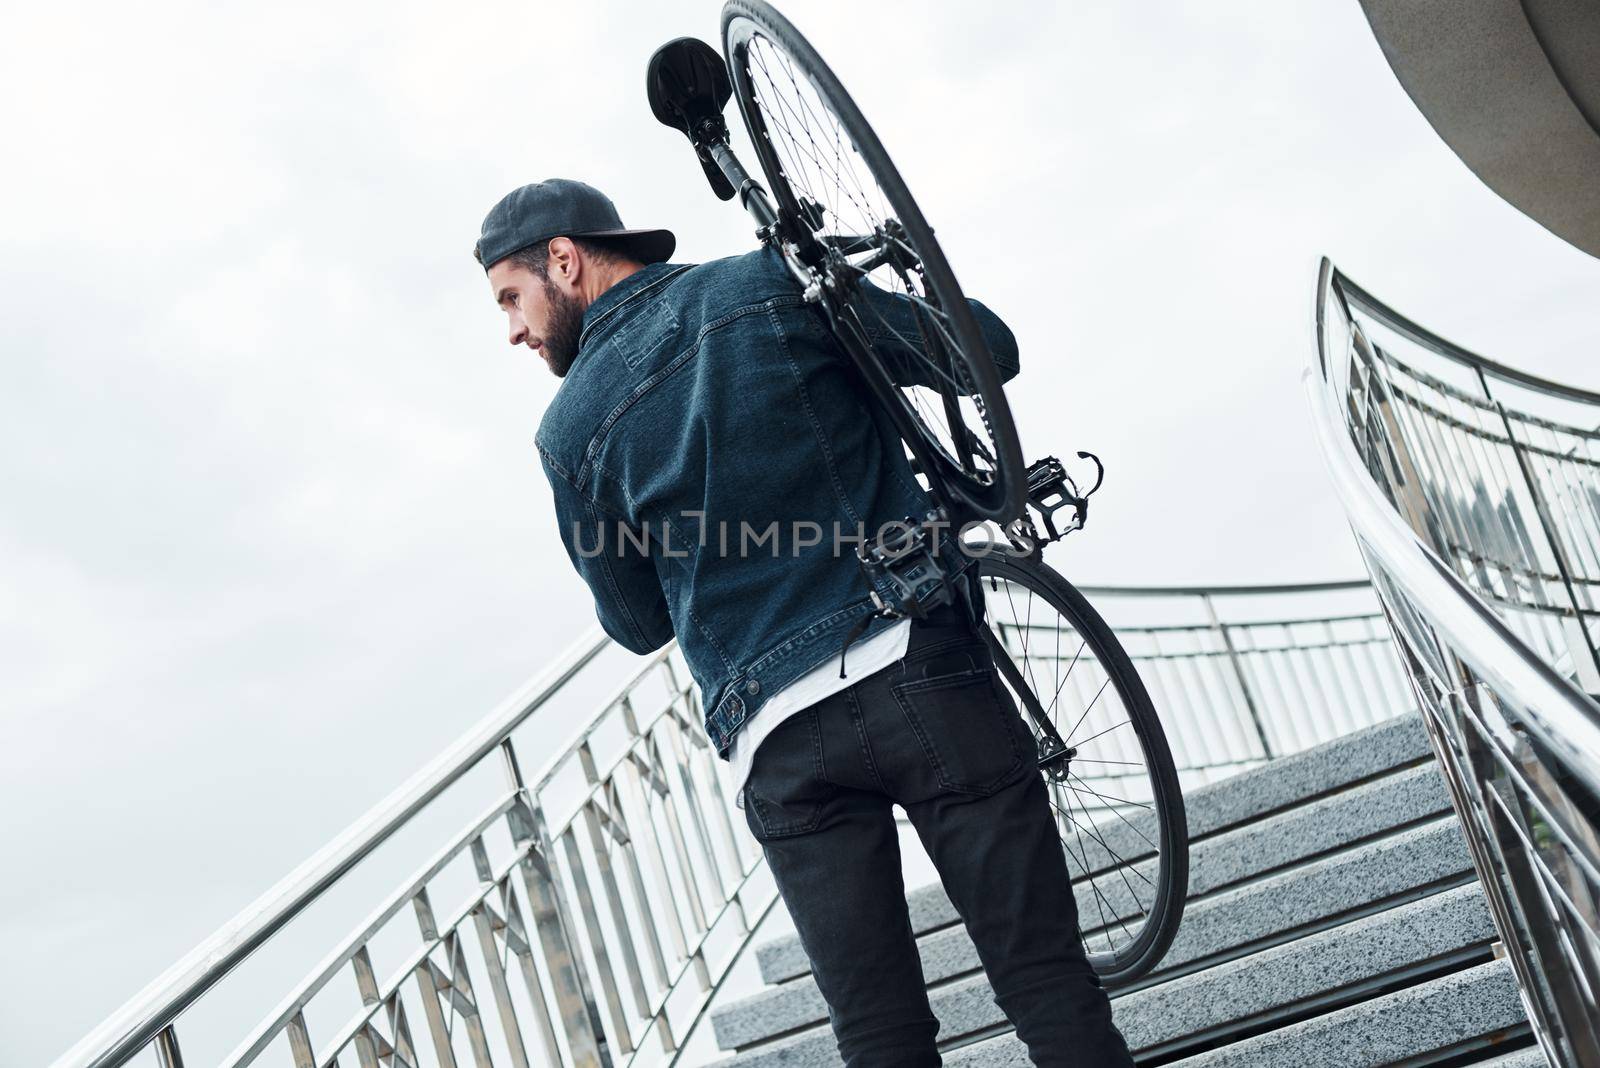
x: 695, y: 107
x: 1054, y: 753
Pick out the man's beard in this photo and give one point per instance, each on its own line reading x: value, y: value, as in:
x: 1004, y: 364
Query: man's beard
x: 560, y: 346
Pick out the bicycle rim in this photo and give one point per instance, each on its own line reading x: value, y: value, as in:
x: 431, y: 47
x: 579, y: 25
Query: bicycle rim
x: 1118, y: 807
x: 857, y: 222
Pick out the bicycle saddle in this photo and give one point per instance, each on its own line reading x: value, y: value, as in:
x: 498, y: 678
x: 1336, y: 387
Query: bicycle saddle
x: 687, y: 83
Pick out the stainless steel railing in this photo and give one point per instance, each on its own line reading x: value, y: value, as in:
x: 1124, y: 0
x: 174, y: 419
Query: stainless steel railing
x: 1473, y: 596
x: 587, y: 914
x: 1244, y: 674
x: 582, y: 915
x: 1502, y: 472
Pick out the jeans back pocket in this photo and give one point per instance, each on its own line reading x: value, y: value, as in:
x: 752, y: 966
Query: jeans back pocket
x: 964, y: 728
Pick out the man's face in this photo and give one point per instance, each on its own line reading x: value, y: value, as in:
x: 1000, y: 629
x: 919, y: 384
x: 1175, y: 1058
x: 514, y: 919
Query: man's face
x: 542, y: 316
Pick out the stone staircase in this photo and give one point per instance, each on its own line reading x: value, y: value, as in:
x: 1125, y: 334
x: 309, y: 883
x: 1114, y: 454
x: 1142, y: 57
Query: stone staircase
x: 1333, y: 920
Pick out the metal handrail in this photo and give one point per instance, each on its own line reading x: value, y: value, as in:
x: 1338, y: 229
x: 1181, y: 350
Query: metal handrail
x: 1350, y: 294
x: 580, y: 873
x: 1565, y: 720
x: 1237, y: 688
x: 1507, y: 496
x: 620, y: 850
x: 150, y: 1012
x: 1518, y: 742
x: 1237, y: 590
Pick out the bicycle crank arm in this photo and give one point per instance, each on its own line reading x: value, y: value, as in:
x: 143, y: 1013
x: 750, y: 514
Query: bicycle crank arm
x: 1054, y: 754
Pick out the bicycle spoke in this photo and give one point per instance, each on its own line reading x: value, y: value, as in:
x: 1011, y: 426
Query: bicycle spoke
x: 912, y: 349
x: 1061, y: 680
x: 1106, y: 803
x: 801, y: 99
x: 1026, y: 668
x: 1101, y: 901
x: 1054, y: 697
x: 792, y: 142
x: 1131, y: 826
x: 1108, y: 730
x: 1122, y: 868
x: 1080, y: 830
x: 1108, y: 797
x: 1086, y: 711
x: 822, y: 165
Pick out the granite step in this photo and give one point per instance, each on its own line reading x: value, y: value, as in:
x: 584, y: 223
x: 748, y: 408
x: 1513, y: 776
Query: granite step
x: 1329, y: 969
x: 1258, y: 915
x: 1339, y: 821
x: 1384, y: 759
x: 1461, y: 1014
x: 1313, y: 975
x: 1284, y: 783
x: 1466, y: 1011
x: 1396, y: 800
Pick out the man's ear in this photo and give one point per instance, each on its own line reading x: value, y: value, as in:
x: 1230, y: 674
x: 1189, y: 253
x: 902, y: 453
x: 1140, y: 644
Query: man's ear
x: 564, y: 263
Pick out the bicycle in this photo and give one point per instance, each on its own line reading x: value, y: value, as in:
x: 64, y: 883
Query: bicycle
x: 1119, y: 809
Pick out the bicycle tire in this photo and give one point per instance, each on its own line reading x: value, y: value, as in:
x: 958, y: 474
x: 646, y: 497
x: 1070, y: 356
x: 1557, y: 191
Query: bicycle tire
x: 1164, y: 823
x: 998, y: 492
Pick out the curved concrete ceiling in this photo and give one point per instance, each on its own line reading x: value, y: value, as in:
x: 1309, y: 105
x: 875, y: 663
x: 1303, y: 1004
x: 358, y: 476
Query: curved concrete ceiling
x: 1514, y: 90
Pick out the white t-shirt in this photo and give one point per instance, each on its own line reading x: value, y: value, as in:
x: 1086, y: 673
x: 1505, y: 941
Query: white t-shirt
x: 863, y: 658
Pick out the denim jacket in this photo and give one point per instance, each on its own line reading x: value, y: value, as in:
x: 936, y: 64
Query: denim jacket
x: 714, y: 455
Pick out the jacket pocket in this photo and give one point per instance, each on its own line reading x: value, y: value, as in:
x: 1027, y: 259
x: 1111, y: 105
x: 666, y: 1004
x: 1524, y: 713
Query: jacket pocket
x: 640, y: 338
x: 786, y: 790
x: 972, y: 738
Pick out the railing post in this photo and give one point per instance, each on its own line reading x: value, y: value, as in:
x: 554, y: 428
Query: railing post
x: 167, y: 1052
x: 580, y: 1013
x: 300, y: 1048
x: 605, y: 807
x: 485, y: 921
x: 1239, y: 673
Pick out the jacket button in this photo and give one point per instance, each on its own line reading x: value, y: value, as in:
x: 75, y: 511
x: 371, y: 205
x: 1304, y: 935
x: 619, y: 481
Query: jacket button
x: 752, y: 687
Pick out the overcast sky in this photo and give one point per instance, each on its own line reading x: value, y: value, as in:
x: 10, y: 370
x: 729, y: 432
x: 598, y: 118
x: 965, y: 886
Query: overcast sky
x: 273, y: 530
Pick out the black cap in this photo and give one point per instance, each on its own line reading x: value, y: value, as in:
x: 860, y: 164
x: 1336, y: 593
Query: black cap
x: 560, y: 207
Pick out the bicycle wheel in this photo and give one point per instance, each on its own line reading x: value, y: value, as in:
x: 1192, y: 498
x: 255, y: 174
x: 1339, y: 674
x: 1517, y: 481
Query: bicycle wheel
x: 1117, y: 803
x: 852, y: 223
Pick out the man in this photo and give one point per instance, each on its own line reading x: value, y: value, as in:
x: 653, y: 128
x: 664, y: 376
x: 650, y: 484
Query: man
x: 714, y: 459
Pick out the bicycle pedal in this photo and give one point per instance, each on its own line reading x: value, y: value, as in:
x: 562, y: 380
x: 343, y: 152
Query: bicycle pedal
x: 1049, y: 490
x: 907, y: 561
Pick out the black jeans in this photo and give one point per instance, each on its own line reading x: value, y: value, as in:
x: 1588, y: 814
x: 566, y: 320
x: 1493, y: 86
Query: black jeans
x: 937, y: 734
